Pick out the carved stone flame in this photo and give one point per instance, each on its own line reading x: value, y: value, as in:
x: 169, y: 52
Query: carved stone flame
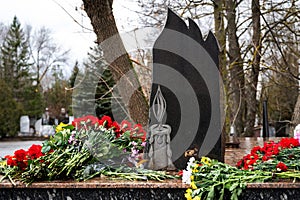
x: 159, y: 106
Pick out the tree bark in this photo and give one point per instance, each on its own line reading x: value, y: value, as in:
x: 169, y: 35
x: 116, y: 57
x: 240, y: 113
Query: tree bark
x: 221, y: 37
x: 296, y: 115
x: 236, y: 72
x: 104, y: 25
x: 253, y: 72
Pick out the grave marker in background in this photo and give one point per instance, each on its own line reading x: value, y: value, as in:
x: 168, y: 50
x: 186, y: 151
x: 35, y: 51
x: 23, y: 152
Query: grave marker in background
x: 24, y: 125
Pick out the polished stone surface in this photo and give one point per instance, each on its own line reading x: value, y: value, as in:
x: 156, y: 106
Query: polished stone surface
x: 99, y: 183
x: 131, y: 190
x: 185, y: 66
x: 91, y: 194
x: 118, y: 184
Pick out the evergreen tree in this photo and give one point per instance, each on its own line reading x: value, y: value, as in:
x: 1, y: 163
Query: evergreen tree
x: 15, y: 60
x: 93, y: 90
x: 10, y: 111
x: 103, y: 95
x: 57, y: 97
x: 33, y: 104
x: 16, y: 70
x: 74, y: 74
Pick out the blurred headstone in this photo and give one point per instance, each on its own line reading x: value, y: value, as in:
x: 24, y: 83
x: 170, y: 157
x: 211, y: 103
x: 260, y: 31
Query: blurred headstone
x: 47, y: 130
x: 24, y: 125
x: 297, y: 132
x: 38, y: 127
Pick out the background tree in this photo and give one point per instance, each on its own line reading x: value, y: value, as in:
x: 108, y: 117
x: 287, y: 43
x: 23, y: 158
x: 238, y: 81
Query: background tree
x: 104, y: 25
x: 252, y: 73
x: 3, y: 32
x: 94, y: 89
x: 10, y: 111
x: 17, y: 72
x: 57, y: 96
x: 103, y: 95
x: 45, y: 53
x: 73, y: 76
x: 15, y: 66
x: 257, y: 38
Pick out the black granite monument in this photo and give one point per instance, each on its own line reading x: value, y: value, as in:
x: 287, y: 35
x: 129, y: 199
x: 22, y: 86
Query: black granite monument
x: 185, y: 67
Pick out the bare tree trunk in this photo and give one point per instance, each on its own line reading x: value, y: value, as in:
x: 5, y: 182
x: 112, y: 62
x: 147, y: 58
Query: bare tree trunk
x: 296, y: 115
x: 253, y: 72
x: 221, y: 36
x: 104, y: 25
x: 237, y: 104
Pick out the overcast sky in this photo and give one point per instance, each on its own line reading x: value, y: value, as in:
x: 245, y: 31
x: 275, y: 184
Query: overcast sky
x: 66, y: 32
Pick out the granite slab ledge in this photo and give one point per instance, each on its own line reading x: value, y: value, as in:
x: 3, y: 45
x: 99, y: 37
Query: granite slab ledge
x: 100, y: 183
x: 274, y: 185
x: 107, y: 183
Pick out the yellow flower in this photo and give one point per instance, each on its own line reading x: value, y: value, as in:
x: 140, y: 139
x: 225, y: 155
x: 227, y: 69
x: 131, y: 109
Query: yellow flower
x: 188, y: 194
x: 192, y: 178
x: 196, y: 198
x: 189, y: 191
x: 3, y: 163
x: 195, y: 170
x: 206, y: 160
x: 60, y: 127
x: 193, y: 185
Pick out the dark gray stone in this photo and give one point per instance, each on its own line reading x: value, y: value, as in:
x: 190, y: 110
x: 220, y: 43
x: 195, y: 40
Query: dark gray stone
x: 186, y: 68
x: 136, y: 194
x: 91, y: 194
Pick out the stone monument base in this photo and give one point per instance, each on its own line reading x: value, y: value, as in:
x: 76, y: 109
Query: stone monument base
x: 133, y: 190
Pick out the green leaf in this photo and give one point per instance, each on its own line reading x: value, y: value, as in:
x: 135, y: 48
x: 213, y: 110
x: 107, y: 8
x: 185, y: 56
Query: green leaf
x: 233, y: 186
x: 211, y: 193
x: 46, y: 149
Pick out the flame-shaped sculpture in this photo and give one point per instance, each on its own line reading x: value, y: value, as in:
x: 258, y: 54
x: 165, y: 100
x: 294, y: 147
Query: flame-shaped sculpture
x: 159, y: 108
x: 160, y: 151
x: 185, y: 71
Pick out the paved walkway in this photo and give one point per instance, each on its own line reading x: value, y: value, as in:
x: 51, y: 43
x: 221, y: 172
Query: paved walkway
x: 9, y: 147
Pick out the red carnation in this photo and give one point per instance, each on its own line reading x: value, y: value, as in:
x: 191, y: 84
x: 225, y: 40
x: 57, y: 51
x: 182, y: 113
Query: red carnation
x: 106, y: 120
x: 11, y: 160
x: 35, y: 151
x: 281, y: 167
x: 288, y: 142
x: 239, y: 163
x: 255, y: 149
x: 20, y: 155
x: 91, y: 119
x: 116, y: 126
x: 139, y: 132
x: 125, y: 125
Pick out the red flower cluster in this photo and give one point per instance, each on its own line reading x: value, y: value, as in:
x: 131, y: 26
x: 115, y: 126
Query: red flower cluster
x: 91, y: 121
x: 269, y: 150
x: 281, y: 167
x: 21, y: 157
x: 34, y: 152
x: 138, y: 132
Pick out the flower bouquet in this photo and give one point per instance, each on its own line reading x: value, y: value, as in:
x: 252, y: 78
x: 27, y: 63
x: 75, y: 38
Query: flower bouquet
x: 210, y: 179
x: 89, y: 147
